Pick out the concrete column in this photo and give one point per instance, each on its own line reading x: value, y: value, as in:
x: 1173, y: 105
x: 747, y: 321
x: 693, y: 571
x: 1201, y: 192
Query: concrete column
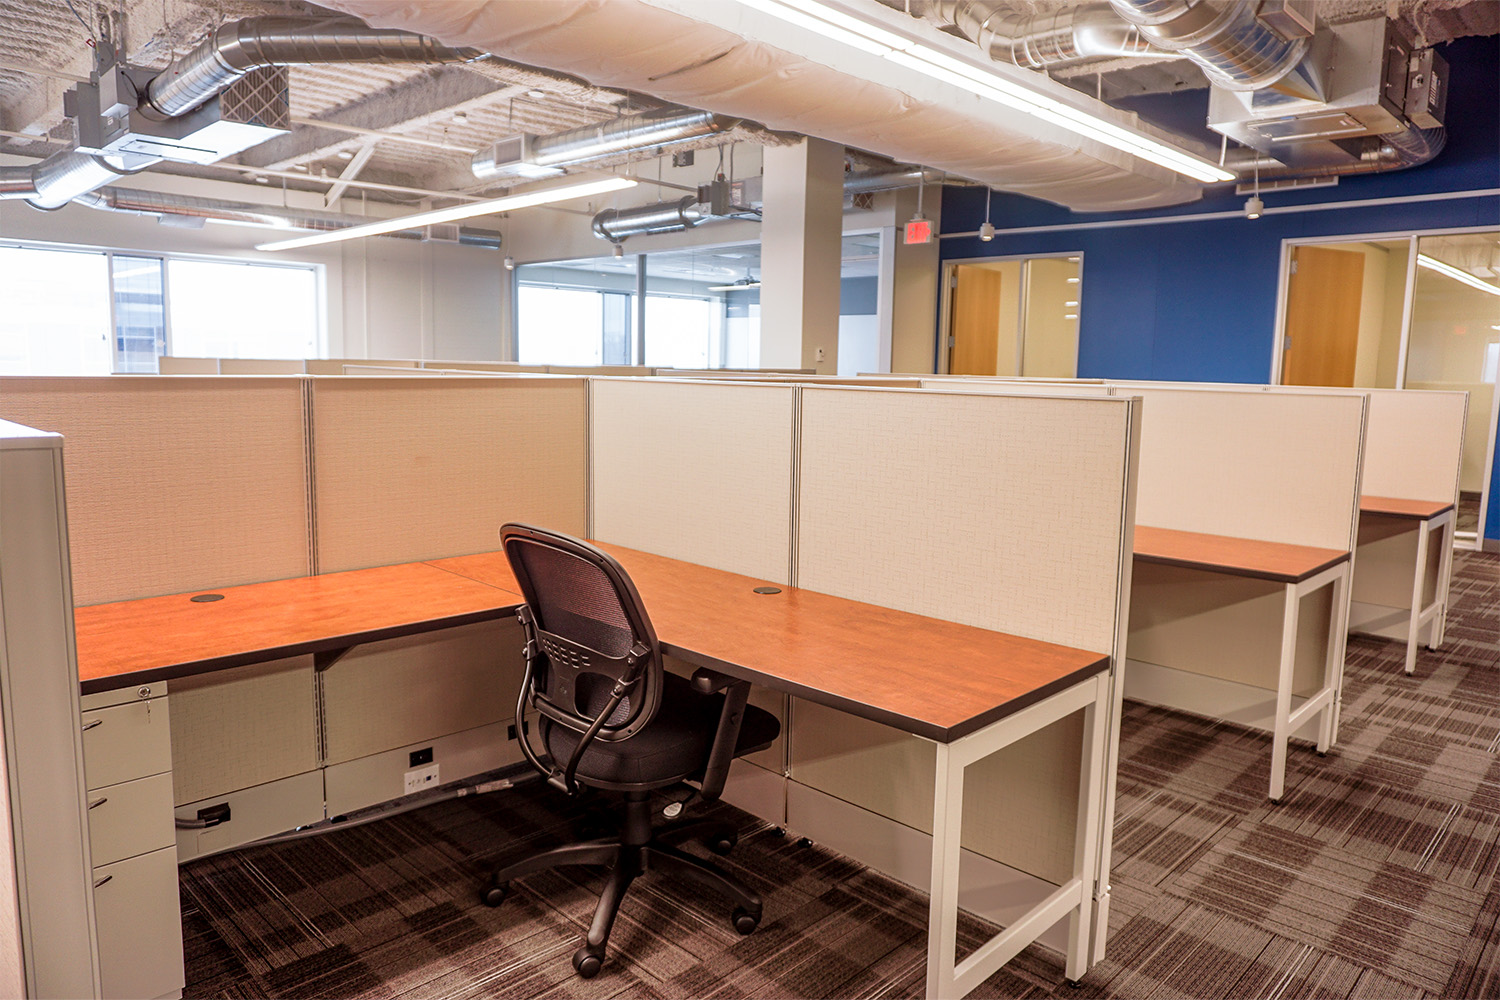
x: 801, y: 230
x: 914, y: 339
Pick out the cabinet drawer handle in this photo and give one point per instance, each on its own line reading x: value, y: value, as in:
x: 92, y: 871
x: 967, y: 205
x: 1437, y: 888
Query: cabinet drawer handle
x: 99, y: 801
x: 101, y: 881
x: 90, y: 725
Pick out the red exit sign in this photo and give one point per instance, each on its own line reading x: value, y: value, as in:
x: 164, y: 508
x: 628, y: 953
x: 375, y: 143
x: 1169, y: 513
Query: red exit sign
x: 919, y: 231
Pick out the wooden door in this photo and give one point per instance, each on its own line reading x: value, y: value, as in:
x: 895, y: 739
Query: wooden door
x: 975, y: 325
x: 1322, y: 316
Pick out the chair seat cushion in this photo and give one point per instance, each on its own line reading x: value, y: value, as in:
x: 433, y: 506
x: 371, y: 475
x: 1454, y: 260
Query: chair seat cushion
x: 674, y: 746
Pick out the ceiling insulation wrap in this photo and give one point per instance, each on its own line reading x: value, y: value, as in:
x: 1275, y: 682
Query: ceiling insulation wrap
x: 640, y: 46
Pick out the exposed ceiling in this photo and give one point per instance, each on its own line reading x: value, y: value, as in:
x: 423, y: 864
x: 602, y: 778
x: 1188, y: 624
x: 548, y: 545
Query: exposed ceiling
x: 404, y: 132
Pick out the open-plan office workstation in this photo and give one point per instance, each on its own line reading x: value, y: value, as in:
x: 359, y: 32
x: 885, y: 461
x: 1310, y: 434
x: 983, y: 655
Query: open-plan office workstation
x: 1140, y: 635
x: 289, y: 721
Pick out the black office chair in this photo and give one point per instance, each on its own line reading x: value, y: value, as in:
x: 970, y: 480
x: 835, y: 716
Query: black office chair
x: 610, y: 717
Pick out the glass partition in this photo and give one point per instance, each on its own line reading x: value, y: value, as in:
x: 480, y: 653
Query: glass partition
x: 1344, y: 312
x: 1454, y: 343
x: 1014, y: 317
x: 56, y: 316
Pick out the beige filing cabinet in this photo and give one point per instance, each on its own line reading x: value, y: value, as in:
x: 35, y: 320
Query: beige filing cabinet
x: 127, y: 757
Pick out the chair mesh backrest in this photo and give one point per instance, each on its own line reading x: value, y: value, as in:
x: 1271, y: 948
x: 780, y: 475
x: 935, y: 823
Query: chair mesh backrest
x: 573, y: 593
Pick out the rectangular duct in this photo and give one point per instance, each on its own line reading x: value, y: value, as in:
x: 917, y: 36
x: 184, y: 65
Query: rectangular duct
x: 1368, y: 65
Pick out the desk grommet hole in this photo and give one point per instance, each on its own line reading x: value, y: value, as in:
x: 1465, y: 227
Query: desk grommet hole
x: 767, y: 590
x: 206, y: 598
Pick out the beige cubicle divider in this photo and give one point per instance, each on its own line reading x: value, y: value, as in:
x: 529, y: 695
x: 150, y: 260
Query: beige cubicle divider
x: 262, y: 366
x: 1017, y: 388
x: 484, y: 366
x: 600, y: 370
x: 702, y: 471
x: 169, y: 365
x: 415, y: 468
x: 335, y: 366
x: 175, y: 483
x: 410, y: 469
x: 1277, y: 467
x: 1003, y: 511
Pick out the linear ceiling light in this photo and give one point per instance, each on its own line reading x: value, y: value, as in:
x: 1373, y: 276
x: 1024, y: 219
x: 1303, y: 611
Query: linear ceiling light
x: 456, y: 212
x: 852, y: 31
x: 738, y: 286
x: 1457, y: 274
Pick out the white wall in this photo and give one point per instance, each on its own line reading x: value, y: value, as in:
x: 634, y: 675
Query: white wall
x: 386, y: 298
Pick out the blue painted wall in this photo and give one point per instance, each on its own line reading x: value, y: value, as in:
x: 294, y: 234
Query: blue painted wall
x: 1196, y: 300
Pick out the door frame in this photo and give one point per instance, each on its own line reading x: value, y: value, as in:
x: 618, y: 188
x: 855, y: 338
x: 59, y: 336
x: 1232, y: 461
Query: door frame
x: 945, y: 304
x: 1278, y: 338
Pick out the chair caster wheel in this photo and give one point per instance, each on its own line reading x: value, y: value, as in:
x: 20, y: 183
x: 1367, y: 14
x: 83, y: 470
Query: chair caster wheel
x: 493, y: 895
x: 722, y: 845
x: 744, y: 921
x: 587, y: 961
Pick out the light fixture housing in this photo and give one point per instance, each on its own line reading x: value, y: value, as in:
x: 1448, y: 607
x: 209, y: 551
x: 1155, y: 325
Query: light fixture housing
x: 456, y: 212
x: 987, y: 230
x: 510, y: 263
x: 1254, y: 207
x: 828, y: 21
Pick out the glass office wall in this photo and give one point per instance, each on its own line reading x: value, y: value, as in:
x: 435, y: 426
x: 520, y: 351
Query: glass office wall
x: 1418, y: 312
x: 1014, y: 316
x: 56, y: 319
x: 85, y: 312
x: 702, y: 308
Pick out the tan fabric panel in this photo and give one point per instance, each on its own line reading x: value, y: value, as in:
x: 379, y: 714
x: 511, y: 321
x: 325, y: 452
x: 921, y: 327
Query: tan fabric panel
x: 890, y: 773
x: 600, y: 370
x: 414, y: 468
x: 502, y: 367
x: 390, y: 694
x: 1179, y: 617
x: 168, y: 365
x: 335, y: 366
x: 1275, y: 466
x: 175, y: 483
x: 992, y: 510
x: 1414, y: 443
x: 700, y: 471
x: 233, y: 729
x: 1019, y: 388
x: 262, y: 366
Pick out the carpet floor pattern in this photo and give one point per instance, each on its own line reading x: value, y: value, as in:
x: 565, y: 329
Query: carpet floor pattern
x: 1376, y: 876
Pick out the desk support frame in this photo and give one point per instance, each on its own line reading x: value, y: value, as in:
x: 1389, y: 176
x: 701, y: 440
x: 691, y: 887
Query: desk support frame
x: 1074, y: 899
x: 1437, y: 611
x: 1325, y: 701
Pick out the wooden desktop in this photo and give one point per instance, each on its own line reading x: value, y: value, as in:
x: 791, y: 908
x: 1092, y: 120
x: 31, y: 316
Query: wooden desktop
x: 971, y: 691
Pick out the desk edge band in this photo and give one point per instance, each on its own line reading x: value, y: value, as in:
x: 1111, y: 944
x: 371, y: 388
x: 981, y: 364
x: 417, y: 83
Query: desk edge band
x: 1213, y: 567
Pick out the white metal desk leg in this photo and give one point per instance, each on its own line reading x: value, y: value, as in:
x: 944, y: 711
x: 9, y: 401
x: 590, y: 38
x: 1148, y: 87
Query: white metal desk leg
x: 942, y: 917
x: 1333, y: 663
x: 1445, y: 576
x: 1087, y: 844
x: 1282, y: 732
x: 1414, y: 626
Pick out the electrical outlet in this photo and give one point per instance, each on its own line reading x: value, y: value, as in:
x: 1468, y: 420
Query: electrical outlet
x: 420, y: 778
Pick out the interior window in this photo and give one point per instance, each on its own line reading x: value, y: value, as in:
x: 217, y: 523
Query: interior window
x: 56, y: 316
x: 1014, y: 317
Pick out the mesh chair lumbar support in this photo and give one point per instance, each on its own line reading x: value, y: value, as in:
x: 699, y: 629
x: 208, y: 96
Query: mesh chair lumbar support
x: 610, y: 717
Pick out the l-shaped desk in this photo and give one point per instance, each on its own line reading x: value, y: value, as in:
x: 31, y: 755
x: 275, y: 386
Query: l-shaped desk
x: 970, y: 691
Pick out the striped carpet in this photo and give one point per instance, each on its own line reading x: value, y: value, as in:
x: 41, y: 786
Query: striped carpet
x: 1376, y: 876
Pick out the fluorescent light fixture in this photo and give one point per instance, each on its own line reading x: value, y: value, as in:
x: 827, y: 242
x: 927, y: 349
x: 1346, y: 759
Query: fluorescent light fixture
x: 838, y: 26
x: 456, y: 212
x: 1457, y: 274
x: 737, y: 287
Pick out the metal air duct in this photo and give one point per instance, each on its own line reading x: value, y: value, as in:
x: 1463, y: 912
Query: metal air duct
x: 546, y: 156
x: 615, y: 224
x: 224, y: 58
x: 156, y: 203
x: 1233, y: 47
x: 256, y: 42
x: 1058, y: 38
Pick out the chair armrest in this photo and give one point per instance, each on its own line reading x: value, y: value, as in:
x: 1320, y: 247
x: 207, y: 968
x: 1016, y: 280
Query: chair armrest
x: 727, y: 736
